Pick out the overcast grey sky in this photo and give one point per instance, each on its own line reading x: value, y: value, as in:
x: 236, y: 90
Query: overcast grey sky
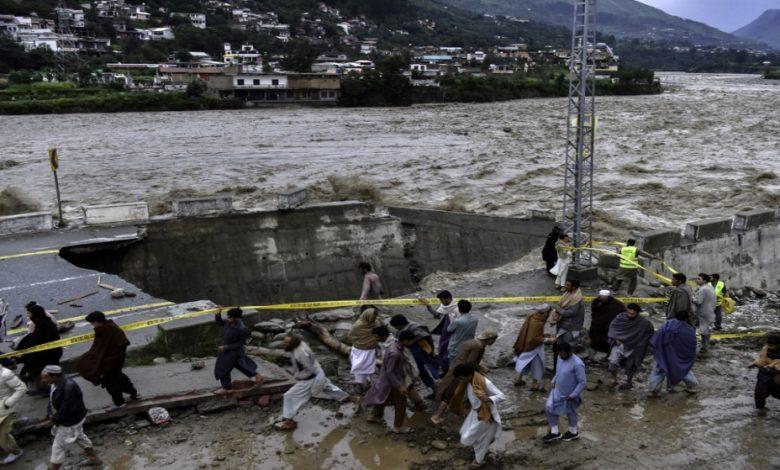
x: 727, y: 15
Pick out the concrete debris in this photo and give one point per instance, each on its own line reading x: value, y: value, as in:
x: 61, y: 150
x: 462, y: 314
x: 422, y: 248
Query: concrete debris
x: 437, y: 444
x: 117, y: 294
x: 159, y: 415
x: 215, y: 406
x: 334, y: 315
x: 269, y: 327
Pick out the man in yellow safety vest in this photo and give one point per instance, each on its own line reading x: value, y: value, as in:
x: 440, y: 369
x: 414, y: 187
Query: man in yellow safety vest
x: 629, y: 266
x: 720, y: 287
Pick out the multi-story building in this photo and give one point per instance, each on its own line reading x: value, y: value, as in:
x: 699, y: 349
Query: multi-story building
x: 308, y: 88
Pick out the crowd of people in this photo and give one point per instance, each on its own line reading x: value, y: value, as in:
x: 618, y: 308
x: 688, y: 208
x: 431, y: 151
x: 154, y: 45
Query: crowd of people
x: 414, y: 366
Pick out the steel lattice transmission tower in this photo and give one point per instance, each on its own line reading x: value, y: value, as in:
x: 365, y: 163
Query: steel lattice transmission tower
x: 67, y: 54
x: 581, y: 124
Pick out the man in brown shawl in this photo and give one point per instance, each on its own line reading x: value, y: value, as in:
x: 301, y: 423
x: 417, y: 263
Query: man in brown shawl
x: 529, y: 347
x: 450, y: 392
x: 603, y: 310
x: 362, y: 355
x: 102, y: 364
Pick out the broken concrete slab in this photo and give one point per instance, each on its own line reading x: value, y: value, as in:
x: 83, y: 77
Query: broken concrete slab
x: 708, y: 229
x: 750, y: 220
x: 656, y: 241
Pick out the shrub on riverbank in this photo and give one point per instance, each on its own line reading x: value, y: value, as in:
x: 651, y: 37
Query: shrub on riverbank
x: 117, y: 102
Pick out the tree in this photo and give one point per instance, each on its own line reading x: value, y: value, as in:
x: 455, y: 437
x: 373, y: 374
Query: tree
x: 300, y: 56
x: 195, y: 88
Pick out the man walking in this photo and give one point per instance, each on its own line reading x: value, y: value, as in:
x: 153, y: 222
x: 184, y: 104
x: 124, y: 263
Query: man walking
x: 483, y: 422
x: 232, y: 353
x: 720, y: 288
x: 674, y: 348
x: 310, y: 382
x: 603, y: 310
x: 67, y: 412
x: 681, y: 298
x: 629, y: 334
x: 768, y: 379
x: 372, y: 285
x: 390, y: 388
x: 461, y: 330
x: 529, y: 348
x: 362, y: 355
x: 103, y: 363
x: 704, y: 301
x: 629, y: 266
x: 422, y: 349
x: 12, y: 389
x: 447, y: 312
x: 566, y: 394
x: 568, y: 316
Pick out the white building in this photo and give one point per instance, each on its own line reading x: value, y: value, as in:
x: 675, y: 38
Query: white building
x: 196, y: 19
x: 260, y: 81
x: 75, y: 18
x: 157, y: 34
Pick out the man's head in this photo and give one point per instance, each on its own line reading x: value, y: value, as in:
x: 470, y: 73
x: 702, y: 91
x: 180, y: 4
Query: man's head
x: 572, y: 285
x: 714, y: 278
x: 563, y: 348
x: 464, y: 306
x: 773, y: 341
x: 445, y: 297
x: 604, y: 295
x: 630, y: 242
x: 564, y: 238
x: 681, y: 315
x: 35, y: 311
x: 364, y: 267
x: 381, y: 333
x: 679, y: 279
x: 291, y: 341
x: 406, y: 338
x: 96, y: 318
x: 633, y: 310
x: 465, y: 372
x: 702, y: 278
x: 488, y: 337
x: 399, y: 322
x: 51, y: 374
x: 234, y: 315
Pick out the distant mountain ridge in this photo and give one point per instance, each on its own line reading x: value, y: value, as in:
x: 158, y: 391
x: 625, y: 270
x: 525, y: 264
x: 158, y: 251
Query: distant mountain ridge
x: 765, y: 28
x: 623, y: 18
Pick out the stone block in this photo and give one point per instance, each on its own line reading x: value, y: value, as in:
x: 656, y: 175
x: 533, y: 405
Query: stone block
x: 583, y: 274
x: 116, y: 214
x: 291, y: 199
x: 25, y: 223
x: 202, y: 206
x: 657, y: 241
x: 708, y: 229
x: 750, y: 220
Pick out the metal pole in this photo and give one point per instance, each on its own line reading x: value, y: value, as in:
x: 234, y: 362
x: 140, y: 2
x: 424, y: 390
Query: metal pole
x: 61, y: 221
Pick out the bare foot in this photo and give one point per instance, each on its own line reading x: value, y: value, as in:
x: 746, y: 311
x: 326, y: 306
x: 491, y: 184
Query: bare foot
x: 436, y: 420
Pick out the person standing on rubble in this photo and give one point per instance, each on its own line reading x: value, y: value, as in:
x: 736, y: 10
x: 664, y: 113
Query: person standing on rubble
x: 232, y: 353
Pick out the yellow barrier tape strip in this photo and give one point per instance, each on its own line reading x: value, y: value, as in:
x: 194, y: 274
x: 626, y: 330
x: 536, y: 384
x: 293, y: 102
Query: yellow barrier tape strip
x: 29, y: 253
x: 293, y: 306
x: 660, y: 277
x: 738, y: 335
x: 106, y: 313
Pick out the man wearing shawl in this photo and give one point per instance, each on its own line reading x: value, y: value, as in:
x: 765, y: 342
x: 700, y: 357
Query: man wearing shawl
x: 450, y: 391
x: 421, y: 349
x: 549, y: 255
x: 569, y: 316
x: 681, y: 298
x: 390, y: 389
x: 483, y: 422
x: 768, y: 380
x: 529, y: 347
x: 102, y: 364
x: 232, y: 354
x: 566, y: 394
x: 674, y: 348
x: 629, y: 334
x: 704, y: 301
x: 362, y: 356
x: 42, y: 330
x: 447, y: 312
x: 310, y: 382
x: 603, y: 310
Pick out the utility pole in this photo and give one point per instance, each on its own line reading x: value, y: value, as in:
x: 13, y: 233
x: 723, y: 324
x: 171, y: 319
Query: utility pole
x: 581, y: 125
x: 66, y: 54
x: 54, y: 161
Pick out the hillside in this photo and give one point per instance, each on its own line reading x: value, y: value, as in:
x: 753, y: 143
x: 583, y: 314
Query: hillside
x: 623, y: 18
x: 765, y: 28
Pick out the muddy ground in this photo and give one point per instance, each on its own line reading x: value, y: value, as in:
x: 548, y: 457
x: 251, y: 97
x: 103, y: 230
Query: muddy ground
x: 716, y: 426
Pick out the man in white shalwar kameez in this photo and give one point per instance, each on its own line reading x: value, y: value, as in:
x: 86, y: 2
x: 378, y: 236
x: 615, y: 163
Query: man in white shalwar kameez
x: 310, y: 382
x: 483, y: 422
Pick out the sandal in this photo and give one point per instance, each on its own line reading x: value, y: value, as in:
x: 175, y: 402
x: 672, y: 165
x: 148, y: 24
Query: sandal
x: 403, y: 430
x: 286, y: 425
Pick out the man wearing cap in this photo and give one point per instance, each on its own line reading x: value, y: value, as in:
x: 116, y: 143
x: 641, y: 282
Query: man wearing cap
x: 603, y: 310
x: 12, y: 389
x: 103, y: 363
x: 450, y: 391
x: 232, y: 354
x: 67, y: 412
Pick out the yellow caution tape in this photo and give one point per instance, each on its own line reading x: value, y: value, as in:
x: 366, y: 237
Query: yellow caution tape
x: 106, y: 312
x: 29, y: 253
x: 628, y: 260
x: 738, y: 335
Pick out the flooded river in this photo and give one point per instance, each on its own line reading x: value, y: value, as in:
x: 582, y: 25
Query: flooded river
x: 706, y: 147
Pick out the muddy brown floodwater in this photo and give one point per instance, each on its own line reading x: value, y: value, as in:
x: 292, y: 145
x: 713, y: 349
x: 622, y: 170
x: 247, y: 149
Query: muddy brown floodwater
x: 706, y: 147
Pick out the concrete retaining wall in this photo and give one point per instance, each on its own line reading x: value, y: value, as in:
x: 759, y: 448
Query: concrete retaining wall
x: 744, y: 250
x: 116, y: 214
x: 202, y: 206
x: 25, y: 223
x: 452, y: 241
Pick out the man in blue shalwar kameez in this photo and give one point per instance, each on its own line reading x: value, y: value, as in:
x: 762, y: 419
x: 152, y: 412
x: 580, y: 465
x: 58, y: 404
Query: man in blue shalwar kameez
x: 566, y: 394
x: 231, y: 350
